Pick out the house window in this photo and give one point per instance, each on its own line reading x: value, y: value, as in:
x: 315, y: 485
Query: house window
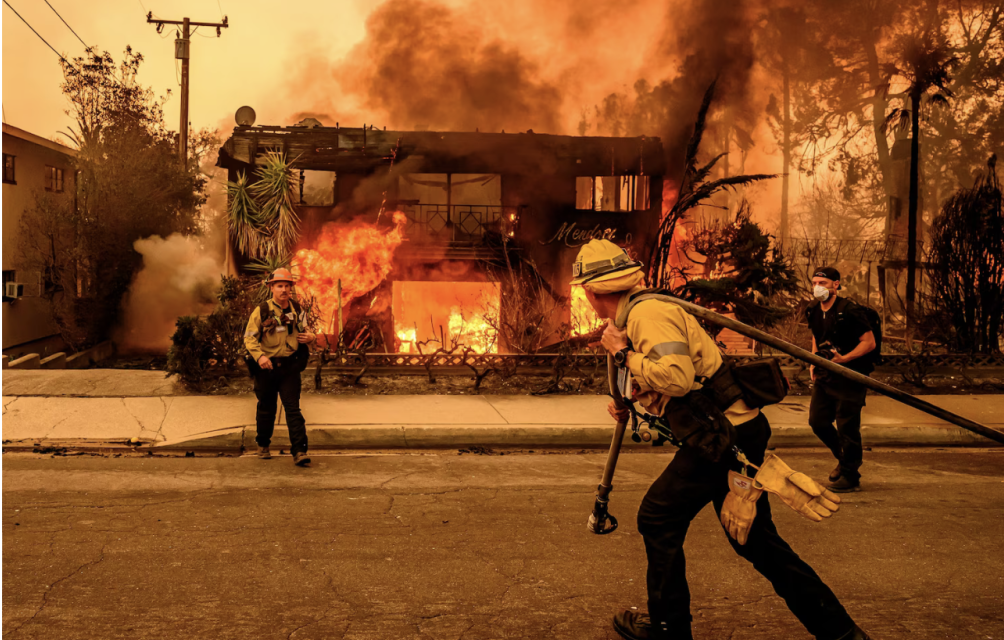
x: 611, y: 193
x: 53, y: 179
x: 9, y: 175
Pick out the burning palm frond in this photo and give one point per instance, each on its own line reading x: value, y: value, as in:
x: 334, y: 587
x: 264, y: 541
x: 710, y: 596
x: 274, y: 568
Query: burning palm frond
x: 693, y: 191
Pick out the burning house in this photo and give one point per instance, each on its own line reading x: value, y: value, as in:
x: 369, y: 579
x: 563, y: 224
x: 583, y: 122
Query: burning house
x: 445, y: 238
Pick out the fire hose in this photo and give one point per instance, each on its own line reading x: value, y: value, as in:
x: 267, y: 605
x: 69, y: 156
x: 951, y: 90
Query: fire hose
x: 598, y: 518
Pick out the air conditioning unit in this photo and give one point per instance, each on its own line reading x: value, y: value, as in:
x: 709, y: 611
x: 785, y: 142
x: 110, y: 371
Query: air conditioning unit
x: 13, y: 290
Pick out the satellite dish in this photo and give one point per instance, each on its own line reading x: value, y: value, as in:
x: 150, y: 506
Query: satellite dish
x: 245, y: 116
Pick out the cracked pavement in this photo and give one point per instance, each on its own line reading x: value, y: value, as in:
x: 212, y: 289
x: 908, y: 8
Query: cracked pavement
x: 441, y: 546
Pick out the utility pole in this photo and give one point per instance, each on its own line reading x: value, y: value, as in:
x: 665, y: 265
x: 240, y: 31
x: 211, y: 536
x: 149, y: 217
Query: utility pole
x: 182, y: 51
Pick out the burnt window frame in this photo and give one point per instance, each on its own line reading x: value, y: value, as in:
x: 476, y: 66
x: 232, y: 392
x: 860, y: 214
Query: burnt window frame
x: 13, y: 168
x: 54, y: 179
x: 635, y: 180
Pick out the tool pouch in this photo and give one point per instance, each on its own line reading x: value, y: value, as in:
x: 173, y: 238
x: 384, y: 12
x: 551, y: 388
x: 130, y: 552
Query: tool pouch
x: 761, y: 382
x: 696, y: 422
x: 300, y: 358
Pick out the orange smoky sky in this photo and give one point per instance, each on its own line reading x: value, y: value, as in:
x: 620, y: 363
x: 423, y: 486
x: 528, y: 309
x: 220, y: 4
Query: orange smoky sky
x: 441, y: 64
x: 450, y: 64
x: 248, y: 64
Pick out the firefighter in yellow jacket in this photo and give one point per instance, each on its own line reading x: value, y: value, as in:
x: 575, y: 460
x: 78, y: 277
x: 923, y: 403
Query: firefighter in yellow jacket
x: 666, y: 352
x: 276, y: 339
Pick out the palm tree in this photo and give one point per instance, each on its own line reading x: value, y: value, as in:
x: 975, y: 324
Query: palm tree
x: 927, y: 65
x: 693, y: 191
x: 262, y: 217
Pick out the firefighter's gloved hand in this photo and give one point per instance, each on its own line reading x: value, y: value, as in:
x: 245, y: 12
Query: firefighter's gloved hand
x: 797, y: 490
x: 739, y: 508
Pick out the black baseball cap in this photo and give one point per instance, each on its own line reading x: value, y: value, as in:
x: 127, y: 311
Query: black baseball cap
x: 827, y: 272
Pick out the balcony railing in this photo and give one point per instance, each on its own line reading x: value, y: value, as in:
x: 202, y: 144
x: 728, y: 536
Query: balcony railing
x: 466, y: 223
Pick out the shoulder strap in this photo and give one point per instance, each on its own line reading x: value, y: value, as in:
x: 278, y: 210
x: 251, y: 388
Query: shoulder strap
x: 641, y: 296
x: 301, y: 315
x: 263, y: 311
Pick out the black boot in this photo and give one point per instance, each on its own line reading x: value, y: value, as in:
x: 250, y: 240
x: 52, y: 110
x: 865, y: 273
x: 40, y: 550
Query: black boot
x: 844, y: 485
x: 632, y: 625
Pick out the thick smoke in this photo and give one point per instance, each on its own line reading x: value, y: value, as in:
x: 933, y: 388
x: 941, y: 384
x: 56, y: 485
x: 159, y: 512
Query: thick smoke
x: 425, y: 64
x: 178, y: 278
x: 571, y: 67
x: 588, y: 67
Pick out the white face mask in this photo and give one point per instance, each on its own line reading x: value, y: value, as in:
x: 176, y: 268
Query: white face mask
x: 821, y: 293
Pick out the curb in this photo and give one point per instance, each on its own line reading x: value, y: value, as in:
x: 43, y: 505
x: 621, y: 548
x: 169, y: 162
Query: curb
x: 241, y: 439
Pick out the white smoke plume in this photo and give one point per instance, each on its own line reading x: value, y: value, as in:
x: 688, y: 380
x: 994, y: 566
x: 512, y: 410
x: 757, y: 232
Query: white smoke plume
x: 179, y: 277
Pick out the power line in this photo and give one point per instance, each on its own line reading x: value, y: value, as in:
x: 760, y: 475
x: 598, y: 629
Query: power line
x: 195, y: 32
x: 67, y: 25
x: 65, y: 61
x: 40, y: 36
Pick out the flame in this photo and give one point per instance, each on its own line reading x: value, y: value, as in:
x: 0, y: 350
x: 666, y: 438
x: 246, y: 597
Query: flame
x: 670, y: 192
x: 420, y: 314
x: 474, y: 330
x: 407, y: 338
x: 584, y: 318
x: 360, y: 255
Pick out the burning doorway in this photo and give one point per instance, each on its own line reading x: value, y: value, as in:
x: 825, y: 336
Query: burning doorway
x: 431, y: 315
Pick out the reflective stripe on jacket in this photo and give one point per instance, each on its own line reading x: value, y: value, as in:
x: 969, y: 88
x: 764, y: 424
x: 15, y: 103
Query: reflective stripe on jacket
x: 671, y: 349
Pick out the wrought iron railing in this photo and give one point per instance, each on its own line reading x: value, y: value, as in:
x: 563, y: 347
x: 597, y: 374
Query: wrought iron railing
x: 589, y: 361
x: 458, y: 222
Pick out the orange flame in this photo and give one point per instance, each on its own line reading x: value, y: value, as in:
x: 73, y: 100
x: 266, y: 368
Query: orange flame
x: 420, y: 316
x: 360, y: 255
x: 407, y: 338
x: 584, y: 318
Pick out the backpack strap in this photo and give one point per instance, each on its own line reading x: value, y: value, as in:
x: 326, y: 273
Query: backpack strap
x: 636, y: 298
x: 301, y: 316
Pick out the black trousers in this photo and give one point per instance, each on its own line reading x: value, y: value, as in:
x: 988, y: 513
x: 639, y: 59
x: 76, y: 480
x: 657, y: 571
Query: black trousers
x: 282, y: 381
x: 841, y: 401
x: 687, y: 485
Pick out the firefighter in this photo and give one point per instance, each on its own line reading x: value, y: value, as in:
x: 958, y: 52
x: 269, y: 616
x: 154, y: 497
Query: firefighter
x: 666, y: 350
x: 276, y: 339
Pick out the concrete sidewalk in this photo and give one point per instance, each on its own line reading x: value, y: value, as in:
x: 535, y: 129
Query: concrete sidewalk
x: 65, y: 410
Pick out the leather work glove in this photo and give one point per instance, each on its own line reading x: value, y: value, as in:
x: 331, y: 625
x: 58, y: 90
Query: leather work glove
x: 739, y: 508
x: 797, y: 490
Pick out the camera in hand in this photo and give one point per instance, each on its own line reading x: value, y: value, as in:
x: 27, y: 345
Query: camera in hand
x: 826, y: 350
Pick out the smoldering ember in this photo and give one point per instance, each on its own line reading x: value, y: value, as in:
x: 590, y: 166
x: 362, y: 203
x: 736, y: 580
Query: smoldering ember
x: 348, y: 328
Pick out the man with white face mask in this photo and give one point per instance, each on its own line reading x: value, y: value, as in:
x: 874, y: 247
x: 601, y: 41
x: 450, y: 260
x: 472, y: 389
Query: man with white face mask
x: 841, y: 333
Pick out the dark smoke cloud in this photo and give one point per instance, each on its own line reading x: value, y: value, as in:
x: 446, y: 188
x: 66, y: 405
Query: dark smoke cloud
x: 423, y: 63
x: 593, y: 67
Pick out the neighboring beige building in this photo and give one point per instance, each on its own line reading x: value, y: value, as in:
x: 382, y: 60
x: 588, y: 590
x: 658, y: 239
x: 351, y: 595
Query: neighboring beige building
x: 31, y: 165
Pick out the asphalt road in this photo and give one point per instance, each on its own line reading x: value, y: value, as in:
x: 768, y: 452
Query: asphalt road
x: 389, y: 546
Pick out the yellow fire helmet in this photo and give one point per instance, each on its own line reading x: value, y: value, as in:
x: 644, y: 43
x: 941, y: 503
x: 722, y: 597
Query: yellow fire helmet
x: 600, y: 260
